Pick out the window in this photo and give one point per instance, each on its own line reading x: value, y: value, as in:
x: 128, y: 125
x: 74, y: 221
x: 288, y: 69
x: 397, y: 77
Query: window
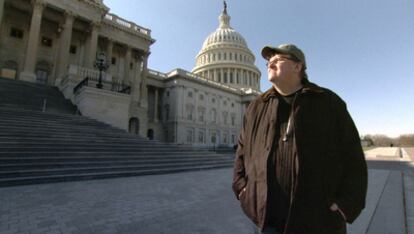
x: 190, y: 94
x: 225, y: 138
x: 232, y: 138
x: 72, y: 49
x: 16, y: 33
x: 47, y: 42
x: 213, y: 100
x: 131, y: 66
x: 233, y: 120
x: 189, y: 111
x: 113, y: 60
x: 201, y: 113
x: 225, y: 117
x: 189, y: 136
x: 213, y: 137
x: 213, y: 115
x: 167, y: 93
x: 201, y: 136
x: 201, y: 97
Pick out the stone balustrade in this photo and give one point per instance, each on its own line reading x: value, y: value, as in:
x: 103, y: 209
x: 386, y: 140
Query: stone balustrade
x: 186, y: 74
x: 157, y: 73
x: 82, y: 72
x: 126, y: 24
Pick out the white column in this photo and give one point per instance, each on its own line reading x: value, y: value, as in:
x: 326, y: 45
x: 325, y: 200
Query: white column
x: 144, y: 91
x: 33, y: 44
x: 215, y: 74
x: 127, y: 65
x: 64, y: 47
x: 1, y: 11
x: 156, y: 106
x: 93, y: 44
x: 196, y: 105
x: 109, y: 55
x: 135, y: 91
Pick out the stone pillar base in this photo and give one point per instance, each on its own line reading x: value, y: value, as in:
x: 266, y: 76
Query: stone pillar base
x: 27, y: 76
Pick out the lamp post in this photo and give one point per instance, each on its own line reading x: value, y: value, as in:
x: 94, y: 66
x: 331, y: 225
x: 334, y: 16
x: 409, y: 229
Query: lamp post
x: 102, y: 65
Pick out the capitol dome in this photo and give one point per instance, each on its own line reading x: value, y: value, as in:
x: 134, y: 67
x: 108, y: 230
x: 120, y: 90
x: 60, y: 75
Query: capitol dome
x: 226, y: 58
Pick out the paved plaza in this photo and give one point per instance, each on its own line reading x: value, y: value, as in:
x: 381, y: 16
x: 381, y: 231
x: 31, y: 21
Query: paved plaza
x: 192, y: 202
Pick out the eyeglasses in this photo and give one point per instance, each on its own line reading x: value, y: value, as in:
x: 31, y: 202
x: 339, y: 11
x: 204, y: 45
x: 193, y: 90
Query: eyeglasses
x: 277, y: 60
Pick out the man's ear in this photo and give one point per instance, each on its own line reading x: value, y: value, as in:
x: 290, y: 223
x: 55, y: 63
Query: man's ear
x: 298, y: 67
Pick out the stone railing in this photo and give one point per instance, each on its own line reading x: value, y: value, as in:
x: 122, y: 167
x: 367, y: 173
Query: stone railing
x: 184, y: 73
x: 157, y: 73
x: 110, y: 86
x: 81, y: 72
x: 114, y: 19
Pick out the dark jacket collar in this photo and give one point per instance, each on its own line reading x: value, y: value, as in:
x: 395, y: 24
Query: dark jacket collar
x: 307, y: 88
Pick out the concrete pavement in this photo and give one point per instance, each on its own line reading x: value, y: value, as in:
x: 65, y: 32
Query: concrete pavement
x: 193, y: 202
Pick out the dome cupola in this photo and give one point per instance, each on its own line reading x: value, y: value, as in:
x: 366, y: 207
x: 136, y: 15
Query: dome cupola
x: 226, y: 58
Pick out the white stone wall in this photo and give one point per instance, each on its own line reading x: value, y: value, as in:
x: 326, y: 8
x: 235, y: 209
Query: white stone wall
x: 105, y: 106
x: 191, y: 113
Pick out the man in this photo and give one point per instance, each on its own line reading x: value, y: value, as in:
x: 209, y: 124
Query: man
x: 299, y: 166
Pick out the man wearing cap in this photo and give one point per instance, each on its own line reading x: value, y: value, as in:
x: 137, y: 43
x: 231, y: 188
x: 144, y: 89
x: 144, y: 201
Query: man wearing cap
x: 299, y: 166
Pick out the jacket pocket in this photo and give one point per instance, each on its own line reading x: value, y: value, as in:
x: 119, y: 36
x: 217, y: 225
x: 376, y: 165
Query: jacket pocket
x: 248, y: 201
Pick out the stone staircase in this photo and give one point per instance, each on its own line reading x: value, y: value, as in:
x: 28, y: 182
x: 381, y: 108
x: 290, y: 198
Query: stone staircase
x: 51, y: 146
x: 31, y: 96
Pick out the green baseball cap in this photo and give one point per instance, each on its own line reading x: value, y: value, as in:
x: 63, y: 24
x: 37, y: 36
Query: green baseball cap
x: 290, y: 49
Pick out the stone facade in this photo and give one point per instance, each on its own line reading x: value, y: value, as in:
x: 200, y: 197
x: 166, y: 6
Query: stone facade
x: 56, y: 42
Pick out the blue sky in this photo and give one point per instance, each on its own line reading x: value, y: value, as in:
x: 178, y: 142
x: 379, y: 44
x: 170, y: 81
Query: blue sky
x: 361, y: 49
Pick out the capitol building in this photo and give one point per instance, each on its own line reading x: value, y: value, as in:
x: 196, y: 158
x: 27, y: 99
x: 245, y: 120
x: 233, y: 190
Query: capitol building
x: 99, y: 61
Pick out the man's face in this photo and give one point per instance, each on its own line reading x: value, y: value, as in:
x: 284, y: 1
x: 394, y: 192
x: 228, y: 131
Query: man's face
x: 281, y: 68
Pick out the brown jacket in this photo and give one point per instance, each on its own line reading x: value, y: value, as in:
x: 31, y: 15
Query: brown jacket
x: 332, y: 166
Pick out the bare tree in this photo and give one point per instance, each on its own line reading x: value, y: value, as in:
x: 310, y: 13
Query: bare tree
x: 406, y: 140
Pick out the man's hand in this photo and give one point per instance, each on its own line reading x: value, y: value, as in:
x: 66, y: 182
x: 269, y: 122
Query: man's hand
x: 241, y: 192
x: 334, y: 207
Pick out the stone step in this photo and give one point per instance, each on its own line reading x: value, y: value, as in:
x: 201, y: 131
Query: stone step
x: 51, y: 146
x: 99, y: 149
x: 8, y: 164
x: 109, y: 174
x: 95, y: 154
x: 5, y: 166
x: 99, y: 169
